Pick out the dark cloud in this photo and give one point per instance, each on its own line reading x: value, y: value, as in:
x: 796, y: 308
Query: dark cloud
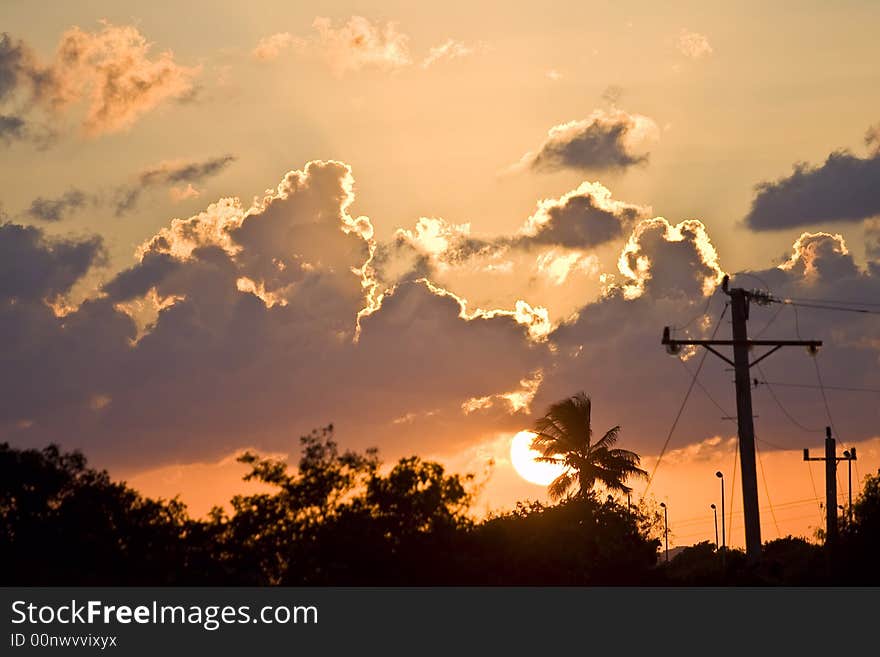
x: 33, y: 267
x: 581, y: 219
x: 16, y: 65
x: 603, y: 141
x: 12, y: 128
x: 872, y: 241
x: 126, y: 197
x: 844, y: 188
x: 169, y: 173
x: 56, y: 209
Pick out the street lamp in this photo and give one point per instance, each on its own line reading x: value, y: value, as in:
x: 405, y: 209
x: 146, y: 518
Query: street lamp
x: 720, y: 475
x: 666, y: 528
x: 715, y: 512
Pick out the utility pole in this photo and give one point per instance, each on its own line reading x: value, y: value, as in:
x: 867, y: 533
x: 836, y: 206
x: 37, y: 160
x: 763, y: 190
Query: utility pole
x: 850, y: 456
x: 739, y: 305
x: 831, y: 460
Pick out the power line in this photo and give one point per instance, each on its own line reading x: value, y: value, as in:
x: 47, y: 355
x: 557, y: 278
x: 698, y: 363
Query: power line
x: 724, y: 413
x: 828, y: 411
x: 816, y: 387
x: 772, y: 319
x: 698, y: 315
x: 767, y: 491
x: 774, y: 445
x: 681, y: 408
x: 834, y: 301
x: 782, y: 408
x: 815, y: 492
x: 820, y: 306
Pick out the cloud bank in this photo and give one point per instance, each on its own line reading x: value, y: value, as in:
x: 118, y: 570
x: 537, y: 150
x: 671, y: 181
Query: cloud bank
x: 249, y: 324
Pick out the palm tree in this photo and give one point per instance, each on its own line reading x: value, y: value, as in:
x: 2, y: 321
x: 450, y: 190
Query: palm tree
x: 564, y: 436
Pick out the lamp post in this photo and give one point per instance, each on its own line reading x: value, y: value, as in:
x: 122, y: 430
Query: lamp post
x: 715, y: 512
x: 666, y: 528
x: 720, y: 475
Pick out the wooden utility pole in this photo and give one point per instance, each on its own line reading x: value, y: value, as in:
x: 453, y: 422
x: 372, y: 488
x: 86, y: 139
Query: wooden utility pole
x: 831, y: 458
x: 739, y: 305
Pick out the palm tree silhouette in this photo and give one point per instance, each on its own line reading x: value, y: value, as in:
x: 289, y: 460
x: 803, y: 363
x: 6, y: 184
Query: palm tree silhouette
x: 564, y: 436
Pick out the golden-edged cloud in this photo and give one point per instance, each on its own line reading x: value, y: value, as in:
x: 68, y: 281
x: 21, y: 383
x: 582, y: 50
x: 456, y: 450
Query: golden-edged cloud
x: 605, y: 140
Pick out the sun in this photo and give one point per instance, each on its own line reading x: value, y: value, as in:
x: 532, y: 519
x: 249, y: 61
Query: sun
x: 522, y: 456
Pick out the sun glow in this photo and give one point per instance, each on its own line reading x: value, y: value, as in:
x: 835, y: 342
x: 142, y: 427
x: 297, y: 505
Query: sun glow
x: 522, y: 456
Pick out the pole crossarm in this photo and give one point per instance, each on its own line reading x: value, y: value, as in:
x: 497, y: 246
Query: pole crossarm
x: 747, y: 343
x: 709, y: 345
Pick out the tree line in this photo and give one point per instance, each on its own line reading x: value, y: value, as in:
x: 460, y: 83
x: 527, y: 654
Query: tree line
x: 340, y: 518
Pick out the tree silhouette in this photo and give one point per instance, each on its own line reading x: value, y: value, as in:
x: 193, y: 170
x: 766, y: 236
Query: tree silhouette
x: 64, y: 523
x: 565, y: 437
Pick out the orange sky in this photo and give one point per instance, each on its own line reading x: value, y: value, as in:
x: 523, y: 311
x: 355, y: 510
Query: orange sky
x: 222, y: 226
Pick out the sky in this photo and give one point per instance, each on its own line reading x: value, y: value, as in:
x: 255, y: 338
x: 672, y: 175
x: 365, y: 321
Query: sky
x: 226, y: 224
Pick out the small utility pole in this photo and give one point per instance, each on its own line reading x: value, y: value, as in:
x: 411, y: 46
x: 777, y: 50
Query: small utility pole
x: 739, y: 305
x: 849, y: 456
x: 831, y: 460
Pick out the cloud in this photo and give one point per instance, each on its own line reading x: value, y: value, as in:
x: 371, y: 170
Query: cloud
x: 872, y: 240
x: 449, y: 50
x: 359, y: 44
x: 669, y: 259
x: 170, y: 173
x: 872, y: 139
x: 56, y: 209
x: 34, y: 267
x: 115, y: 68
x: 844, y: 188
x: 272, y: 46
x: 17, y: 66
x: 583, y: 218
x: 111, y: 71
x: 179, y: 194
x: 693, y: 44
x: 12, y: 128
x: 605, y: 140
x: 558, y: 266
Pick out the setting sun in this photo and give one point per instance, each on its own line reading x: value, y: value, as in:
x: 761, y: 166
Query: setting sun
x: 522, y: 456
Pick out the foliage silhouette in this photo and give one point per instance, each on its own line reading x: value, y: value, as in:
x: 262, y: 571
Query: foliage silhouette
x: 64, y: 523
x: 564, y: 436
x: 341, y: 518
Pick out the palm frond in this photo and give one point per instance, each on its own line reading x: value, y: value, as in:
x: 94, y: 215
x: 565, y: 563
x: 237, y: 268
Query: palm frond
x: 609, y: 439
x: 559, y: 486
